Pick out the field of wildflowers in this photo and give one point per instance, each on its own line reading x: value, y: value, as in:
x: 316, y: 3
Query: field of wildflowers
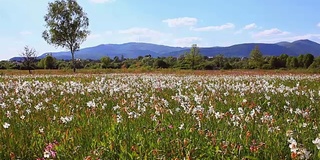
x: 160, y: 116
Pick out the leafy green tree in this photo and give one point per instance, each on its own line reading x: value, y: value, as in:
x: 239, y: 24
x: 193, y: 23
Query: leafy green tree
x: 171, y: 61
x: 256, y: 58
x: 307, y: 60
x: 2, y: 65
x: 49, y: 62
x: 40, y: 64
x: 274, y: 62
x: 300, y: 60
x: 147, y: 61
x: 219, y: 61
x: 194, y: 57
x: 315, y: 64
x: 116, y: 63
x: 227, y: 66
x: 67, y: 26
x: 116, y: 59
x: 106, y: 61
x: 29, y: 58
x: 160, y: 63
x: 282, y: 60
x: 292, y: 62
x: 63, y: 65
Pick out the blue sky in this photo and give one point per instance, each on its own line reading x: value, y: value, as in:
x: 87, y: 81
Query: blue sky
x: 168, y: 22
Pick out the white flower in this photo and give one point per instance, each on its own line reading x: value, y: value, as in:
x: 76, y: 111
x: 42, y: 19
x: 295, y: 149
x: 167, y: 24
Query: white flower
x: 119, y: 118
x: 28, y: 111
x: 6, y: 125
x: 317, y: 142
x: 244, y: 101
x: 154, y: 118
x: 8, y: 114
x: 304, y: 125
x: 91, y: 104
x: 46, y: 154
x: 293, y: 145
x: 181, y: 126
x: 66, y: 119
x: 116, y: 107
x: 41, y: 130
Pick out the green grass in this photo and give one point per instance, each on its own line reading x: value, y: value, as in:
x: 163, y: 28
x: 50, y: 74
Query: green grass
x: 159, y: 116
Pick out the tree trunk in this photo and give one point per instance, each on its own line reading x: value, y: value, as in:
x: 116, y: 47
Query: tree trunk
x: 73, y: 62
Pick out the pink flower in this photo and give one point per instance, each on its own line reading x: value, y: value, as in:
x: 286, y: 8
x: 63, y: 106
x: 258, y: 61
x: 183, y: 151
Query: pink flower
x: 49, y: 150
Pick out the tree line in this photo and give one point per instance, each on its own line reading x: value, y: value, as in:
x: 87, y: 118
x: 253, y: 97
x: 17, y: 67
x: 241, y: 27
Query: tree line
x: 189, y: 60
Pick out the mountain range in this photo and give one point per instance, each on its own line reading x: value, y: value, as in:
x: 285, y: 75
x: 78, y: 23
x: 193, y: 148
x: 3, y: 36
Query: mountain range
x: 133, y: 50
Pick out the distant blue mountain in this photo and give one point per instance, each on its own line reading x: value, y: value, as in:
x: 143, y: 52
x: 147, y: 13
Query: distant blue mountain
x: 241, y: 50
x: 303, y: 46
x: 133, y: 50
x: 128, y: 50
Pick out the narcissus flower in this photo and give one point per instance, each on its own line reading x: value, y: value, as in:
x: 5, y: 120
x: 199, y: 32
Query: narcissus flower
x: 6, y: 125
x: 317, y: 142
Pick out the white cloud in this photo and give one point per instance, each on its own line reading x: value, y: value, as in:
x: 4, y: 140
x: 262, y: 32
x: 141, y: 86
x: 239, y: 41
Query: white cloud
x: 101, y: 1
x: 318, y: 24
x: 182, y: 21
x: 144, y: 35
x: 271, y: 32
x: 186, y: 41
x: 25, y: 33
x: 214, y: 28
x: 250, y: 26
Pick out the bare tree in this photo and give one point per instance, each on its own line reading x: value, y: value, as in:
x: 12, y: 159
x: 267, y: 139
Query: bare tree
x: 29, y: 57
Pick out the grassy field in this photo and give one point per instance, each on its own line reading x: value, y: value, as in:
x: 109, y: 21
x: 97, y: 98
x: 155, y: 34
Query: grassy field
x: 159, y: 115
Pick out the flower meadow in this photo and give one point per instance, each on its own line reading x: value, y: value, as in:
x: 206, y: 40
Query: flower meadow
x: 160, y: 116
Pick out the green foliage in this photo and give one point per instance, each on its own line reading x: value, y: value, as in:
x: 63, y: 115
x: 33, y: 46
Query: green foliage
x: 171, y: 61
x: 193, y: 58
x: 160, y: 63
x: 292, y: 62
x: 48, y: 62
x: 67, y: 25
x: 267, y: 66
x: 219, y: 61
x: 64, y: 65
x: 256, y: 58
x: 282, y: 60
x: 273, y: 62
x: 9, y: 65
x: 307, y: 60
x: 106, y: 61
x: 315, y: 64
